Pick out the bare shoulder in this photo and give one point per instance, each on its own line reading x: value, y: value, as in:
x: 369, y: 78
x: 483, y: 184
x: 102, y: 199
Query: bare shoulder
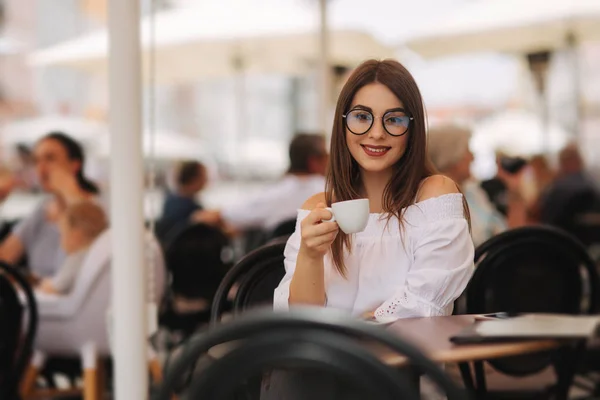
x: 435, y: 186
x: 312, y: 201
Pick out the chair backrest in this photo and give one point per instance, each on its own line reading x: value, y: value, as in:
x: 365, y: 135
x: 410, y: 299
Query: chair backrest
x: 195, y: 260
x: 532, y: 269
x: 284, y: 230
x: 313, y: 339
x: 254, y: 277
x: 16, y: 346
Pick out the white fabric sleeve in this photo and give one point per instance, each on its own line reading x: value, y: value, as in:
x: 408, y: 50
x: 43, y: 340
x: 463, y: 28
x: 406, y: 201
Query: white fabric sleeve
x: 443, y: 254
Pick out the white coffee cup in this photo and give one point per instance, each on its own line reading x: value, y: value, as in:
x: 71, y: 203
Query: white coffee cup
x: 352, y: 216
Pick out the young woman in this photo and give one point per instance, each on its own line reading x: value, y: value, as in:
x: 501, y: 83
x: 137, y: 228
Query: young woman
x: 415, y: 256
x: 59, y: 163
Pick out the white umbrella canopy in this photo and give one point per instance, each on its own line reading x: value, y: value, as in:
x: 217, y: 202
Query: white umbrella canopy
x: 517, y: 26
x: 93, y: 135
x: 31, y: 130
x: 517, y: 132
x: 213, y: 39
x: 166, y: 145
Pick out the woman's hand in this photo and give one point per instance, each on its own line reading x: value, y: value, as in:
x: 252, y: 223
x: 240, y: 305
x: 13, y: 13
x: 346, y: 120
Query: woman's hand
x: 208, y: 217
x: 7, y: 183
x: 64, y: 183
x: 513, y: 182
x: 317, y: 236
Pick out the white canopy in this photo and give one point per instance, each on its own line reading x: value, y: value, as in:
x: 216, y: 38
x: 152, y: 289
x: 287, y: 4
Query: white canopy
x: 31, y: 130
x: 221, y: 38
x: 167, y: 146
x: 93, y: 135
x: 519, y: 26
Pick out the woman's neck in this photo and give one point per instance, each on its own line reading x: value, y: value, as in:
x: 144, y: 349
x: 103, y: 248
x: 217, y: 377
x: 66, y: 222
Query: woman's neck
x: 374, y: 184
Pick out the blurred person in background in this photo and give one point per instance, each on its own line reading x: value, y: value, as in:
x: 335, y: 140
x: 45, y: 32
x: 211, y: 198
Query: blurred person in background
x: 542, y: 175
x: 190, y: 178
x: 281, y: 201
x: 448, y: 148
x: 572, y: 193
x: 495, y: 187
x: 59, y: 163
x: 80, y: 225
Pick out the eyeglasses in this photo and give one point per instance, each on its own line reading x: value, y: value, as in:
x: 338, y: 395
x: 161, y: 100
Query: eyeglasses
x: 395, y: 122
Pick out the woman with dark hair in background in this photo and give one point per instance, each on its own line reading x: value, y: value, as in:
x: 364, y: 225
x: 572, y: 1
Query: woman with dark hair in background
x: 59, y: 165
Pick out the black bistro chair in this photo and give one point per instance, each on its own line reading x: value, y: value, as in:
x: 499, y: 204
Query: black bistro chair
x: 197, y: 260
x: 535, y: 269
x: 319, y: 342
x: 283, y: 230
x: 16, y: 342
x: 254, y: 279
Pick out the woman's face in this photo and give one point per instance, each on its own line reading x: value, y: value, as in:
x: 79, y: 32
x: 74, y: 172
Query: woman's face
x: 376, y: 150
x: 49, y: 155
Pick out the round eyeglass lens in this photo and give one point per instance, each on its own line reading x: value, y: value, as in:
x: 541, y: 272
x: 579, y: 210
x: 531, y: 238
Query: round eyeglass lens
x: 359, y: 121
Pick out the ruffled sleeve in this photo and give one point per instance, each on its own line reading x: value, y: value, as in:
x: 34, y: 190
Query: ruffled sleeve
x: 442, y: 253
x: 282, y: 292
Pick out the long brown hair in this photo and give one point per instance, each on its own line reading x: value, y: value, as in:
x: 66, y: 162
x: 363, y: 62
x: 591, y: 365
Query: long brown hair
x: 343, y: 176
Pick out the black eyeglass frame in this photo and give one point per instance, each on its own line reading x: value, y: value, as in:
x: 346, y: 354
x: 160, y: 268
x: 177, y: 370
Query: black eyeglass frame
x: 410, y: 118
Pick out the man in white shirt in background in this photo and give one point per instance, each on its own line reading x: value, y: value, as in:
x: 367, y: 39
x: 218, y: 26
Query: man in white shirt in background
x: 280, y: 201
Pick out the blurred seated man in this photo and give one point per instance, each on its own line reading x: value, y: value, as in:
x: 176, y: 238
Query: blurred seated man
x: 79, y: 227
x: 179, y: 205
x: 279, y: 202
x: 571, y: 194
x: 495, y: 187
x: 448, y: 150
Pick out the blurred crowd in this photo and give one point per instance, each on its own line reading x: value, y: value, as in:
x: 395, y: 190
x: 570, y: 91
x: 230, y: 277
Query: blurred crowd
x: 524, y: 191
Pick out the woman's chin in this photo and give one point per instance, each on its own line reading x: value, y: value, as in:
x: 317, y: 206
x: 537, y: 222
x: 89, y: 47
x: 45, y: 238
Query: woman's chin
x: 374, y: 167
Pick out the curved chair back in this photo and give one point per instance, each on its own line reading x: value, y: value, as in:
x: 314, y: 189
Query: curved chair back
x: 195, y: 259
x: 254, y: 278
x: 284, y: 230
x: 548, y: 259
x: 532, y: 269
x: 307, y: 338
x: 16, y: 346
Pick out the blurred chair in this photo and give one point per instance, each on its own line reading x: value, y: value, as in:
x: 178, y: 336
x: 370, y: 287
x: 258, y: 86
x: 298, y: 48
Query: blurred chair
x: 75, y: 325
x: 535, y: 269
x: 318, y: 341
x: 197, y: 259
x: 283, y: 230
x: 253, y: 279
x: 16, y: 343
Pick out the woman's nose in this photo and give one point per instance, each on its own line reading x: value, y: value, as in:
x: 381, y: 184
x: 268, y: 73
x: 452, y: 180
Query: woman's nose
x: 377, y: 131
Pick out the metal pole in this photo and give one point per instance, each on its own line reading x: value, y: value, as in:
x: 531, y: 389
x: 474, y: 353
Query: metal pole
x: 578, y: 97
x: 538, y: 65
x: 129, y: 327
x: 324, y: 70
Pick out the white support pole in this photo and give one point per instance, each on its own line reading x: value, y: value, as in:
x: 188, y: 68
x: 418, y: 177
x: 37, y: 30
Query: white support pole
x: 129, y: 327
x: 324, y: 70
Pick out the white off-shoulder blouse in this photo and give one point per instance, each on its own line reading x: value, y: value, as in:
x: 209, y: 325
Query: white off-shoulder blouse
x: 417, y: 272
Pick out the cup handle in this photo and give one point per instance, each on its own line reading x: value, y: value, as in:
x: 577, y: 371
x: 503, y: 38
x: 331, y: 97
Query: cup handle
x: 332, y: 216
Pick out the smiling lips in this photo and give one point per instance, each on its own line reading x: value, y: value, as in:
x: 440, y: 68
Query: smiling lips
x: 375, y: 151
